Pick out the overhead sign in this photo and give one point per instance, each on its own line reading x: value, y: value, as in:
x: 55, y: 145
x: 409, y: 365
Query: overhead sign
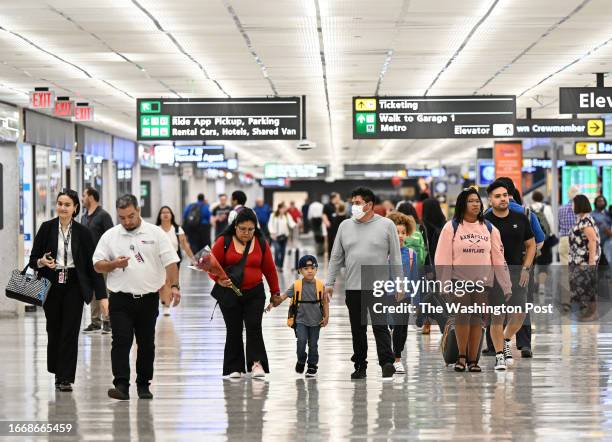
x: 551, y: 128
x: 41, y: 98
x: 274, y: 118
x: 272, y: 170
x: 194, y: 154
x: 508, y: 156
x: 375, y: 170
x: 593, y: 147
x: 275, y: 182
x: 229, y: 164
x: 83, y: 113
x: 585, y: 100
x: 434, y: 117
x: 606, y: 183
x: 63, y: 108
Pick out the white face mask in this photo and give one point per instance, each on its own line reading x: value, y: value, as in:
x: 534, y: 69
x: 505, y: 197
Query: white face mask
x: 357, y: 212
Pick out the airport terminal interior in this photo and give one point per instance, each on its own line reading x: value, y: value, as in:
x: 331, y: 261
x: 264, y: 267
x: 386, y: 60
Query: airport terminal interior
x: 316, y: 220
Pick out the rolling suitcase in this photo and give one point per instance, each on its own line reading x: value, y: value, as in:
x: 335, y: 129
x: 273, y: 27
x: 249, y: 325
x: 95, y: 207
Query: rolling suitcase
x: 448, y: 345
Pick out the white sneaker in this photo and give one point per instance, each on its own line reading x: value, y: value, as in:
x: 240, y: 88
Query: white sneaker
x: 500, y: 362
x: 166, y: 310
x: 257, y: 371
x: 235, y: 375
x: 508, y: 354
x: 399, y: 367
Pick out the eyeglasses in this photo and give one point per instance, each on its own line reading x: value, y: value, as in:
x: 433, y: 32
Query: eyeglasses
x: 245, y: 229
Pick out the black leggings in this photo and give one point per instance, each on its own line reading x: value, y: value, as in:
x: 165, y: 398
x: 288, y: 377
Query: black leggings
x: 247, y: 313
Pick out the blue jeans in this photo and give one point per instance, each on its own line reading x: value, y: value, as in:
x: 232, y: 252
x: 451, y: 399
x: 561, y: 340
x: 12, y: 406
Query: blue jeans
x: 307, y: 335
x: 279, y: 252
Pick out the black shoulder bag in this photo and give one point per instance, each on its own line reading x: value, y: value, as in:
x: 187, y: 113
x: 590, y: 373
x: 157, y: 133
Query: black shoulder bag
x: 225, y: 295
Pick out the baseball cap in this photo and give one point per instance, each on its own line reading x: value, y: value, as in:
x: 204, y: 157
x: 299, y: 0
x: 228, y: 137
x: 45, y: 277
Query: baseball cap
x: 307, y: 260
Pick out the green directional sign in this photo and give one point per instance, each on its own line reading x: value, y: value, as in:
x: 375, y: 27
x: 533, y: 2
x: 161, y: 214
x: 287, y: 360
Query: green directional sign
x: 154, y: 126
x: 365, y: 123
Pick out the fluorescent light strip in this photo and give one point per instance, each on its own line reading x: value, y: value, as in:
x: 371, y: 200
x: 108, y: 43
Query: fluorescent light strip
x: 531, y: 46
x: 396, y: 33
x: 325, y: 85
x: 247, y: 40
x: 107, y: 46
x: 178, y: 46
x: 463, y: 45
x: 548, y: 77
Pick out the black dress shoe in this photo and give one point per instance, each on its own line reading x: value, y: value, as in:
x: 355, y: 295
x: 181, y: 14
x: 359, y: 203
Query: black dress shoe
x: 66, y: 387
x: 119, y: 393
x: 144, y: 392
x: 57, y: 383
x: 359, y: 373
x: 526, y: 352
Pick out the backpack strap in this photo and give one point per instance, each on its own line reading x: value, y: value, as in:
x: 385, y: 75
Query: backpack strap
x: 320, y: 289
x: 297, y: 292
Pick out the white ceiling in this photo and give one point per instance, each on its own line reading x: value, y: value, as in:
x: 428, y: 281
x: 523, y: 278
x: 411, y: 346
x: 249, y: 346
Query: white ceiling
x: 110, y: 52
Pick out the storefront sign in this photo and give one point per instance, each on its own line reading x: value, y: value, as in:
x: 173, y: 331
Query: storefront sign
x: 486, y: 172
x: 83, y: 113
x: 585, y: 177
x: 592, y: 147
x: 606, y: 183
x: 276, y: 118
x: 557, y: 128
x: 508, y: 156
x: 275, y: 182
x: 41, y: 98
x: 585, y: 100
x: 63, y: 108
x: 434, y: 117
x: 273, y: 170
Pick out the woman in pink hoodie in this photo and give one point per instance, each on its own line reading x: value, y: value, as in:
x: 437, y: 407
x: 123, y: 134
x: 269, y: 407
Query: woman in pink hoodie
x: 470, y: 249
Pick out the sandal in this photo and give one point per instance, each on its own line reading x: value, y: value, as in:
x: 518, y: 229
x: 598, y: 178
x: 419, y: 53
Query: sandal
x: 473, y: 367
x: 458, y: 365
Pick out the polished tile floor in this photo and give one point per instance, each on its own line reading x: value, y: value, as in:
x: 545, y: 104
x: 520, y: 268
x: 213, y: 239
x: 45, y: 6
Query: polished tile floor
x: 560, y: 394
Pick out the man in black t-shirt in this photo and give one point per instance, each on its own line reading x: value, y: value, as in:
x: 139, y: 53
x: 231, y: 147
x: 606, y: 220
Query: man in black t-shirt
x: 519, y: 251
x: 220, y: 214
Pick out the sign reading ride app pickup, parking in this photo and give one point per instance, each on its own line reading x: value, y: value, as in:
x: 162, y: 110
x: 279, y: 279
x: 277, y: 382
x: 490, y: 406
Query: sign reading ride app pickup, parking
x: 275, y: 118
x: 434, y: 117
x: 508, y: 156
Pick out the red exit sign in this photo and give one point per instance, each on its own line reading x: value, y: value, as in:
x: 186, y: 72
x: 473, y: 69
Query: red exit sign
x: 63, y: 108
x: 83, y: 113
x: 41, y: 99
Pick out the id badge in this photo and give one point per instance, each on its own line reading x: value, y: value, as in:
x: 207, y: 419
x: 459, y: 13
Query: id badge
x: 61, y: 278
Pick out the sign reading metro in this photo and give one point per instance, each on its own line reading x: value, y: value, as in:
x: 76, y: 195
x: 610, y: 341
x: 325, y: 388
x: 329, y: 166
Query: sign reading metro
x: 434, y: 117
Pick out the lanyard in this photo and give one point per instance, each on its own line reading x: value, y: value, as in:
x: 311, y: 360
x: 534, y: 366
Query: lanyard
x: 66, y: 240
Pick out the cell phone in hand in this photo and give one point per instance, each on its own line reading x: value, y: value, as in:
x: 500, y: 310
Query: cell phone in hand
x: 49, y: 257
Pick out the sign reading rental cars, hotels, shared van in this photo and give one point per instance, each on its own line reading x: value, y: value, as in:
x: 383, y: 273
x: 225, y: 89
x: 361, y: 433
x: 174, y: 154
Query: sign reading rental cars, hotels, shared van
x: 274, y: 118
x: 434, y: 117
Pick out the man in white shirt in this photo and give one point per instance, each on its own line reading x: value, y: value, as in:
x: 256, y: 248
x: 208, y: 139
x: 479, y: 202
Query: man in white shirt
x: 139, y: 261
x: 315, y: 216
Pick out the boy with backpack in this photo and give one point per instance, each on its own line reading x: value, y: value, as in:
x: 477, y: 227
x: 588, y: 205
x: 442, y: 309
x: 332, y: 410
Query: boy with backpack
x: 308, y: 312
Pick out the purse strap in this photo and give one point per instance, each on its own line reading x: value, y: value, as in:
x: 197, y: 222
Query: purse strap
x: 238, y: 269
x: 25, y: 269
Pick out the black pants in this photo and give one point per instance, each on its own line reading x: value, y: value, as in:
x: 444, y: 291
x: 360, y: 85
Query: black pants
x: 63, y: 310
x: 247, y: 314
x: 133, y: 317
x: 359, y: 328
x: 204, y: 236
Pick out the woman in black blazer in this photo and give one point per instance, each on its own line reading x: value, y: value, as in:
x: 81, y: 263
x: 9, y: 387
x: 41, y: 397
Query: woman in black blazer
x: 62, y: 252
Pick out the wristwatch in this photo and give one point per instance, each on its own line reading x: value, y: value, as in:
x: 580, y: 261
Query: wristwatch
x: 526, y: 269
x: 175, y: 285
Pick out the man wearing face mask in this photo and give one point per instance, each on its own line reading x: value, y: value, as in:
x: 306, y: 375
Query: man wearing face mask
x: 365, y: 239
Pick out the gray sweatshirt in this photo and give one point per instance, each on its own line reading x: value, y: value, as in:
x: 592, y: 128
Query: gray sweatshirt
x: 374, y: 242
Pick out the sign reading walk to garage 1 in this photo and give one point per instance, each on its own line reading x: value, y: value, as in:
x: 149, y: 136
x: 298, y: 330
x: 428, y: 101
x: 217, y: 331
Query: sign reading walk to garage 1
x: 277, y: 118
x: 434, y: 117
